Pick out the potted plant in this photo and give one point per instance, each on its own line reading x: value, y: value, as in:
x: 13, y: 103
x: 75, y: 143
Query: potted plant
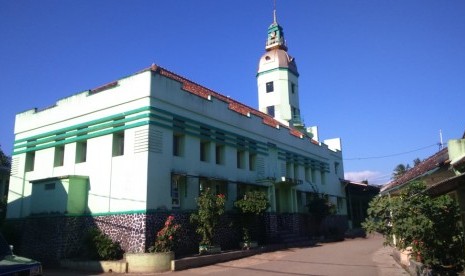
x: 210, y: 209
x: 160, y: 255
x: 253, y: 204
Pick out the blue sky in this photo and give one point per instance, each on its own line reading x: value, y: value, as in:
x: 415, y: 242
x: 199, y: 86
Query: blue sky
x: 385, y: 76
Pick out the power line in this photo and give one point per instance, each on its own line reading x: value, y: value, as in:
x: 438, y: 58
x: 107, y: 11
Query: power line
x: 391, y: 155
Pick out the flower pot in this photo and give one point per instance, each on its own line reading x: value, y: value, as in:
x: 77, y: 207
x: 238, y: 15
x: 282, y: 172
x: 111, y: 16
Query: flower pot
x: 248, y: 245
x: 209, y: 249
x: 149, y: 262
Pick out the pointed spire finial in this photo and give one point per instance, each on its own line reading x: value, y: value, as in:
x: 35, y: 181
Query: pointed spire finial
x: 274, y: 11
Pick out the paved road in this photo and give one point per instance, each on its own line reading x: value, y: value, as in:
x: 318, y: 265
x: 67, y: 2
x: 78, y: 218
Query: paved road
x: 350, y: 257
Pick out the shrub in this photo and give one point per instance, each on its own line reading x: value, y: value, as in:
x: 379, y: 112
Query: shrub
x: 166, y: 237
x: 99, y: 246
x: 210, y: 209
x: 431, y: 226
x: 320, y: 207
x: 252, y: 204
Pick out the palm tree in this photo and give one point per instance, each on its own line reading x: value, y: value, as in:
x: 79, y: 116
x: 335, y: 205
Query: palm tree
x: 399, y: 170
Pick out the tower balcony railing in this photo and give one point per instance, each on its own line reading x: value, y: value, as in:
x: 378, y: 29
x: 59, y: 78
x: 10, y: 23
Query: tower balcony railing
x: 297, y: 121
x: 275, y: 41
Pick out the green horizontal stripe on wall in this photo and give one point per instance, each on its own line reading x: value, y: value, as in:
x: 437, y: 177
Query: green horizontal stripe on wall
x: 83, y: 137
x: 86, y: 124
x: 82, y: 131
x: 158, y: 117
x: 302, y: 160
x: 277, y: 69
x: 194, y: 128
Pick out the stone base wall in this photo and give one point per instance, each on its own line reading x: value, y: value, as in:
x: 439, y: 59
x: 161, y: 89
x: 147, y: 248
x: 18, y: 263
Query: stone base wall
x: 52, y: 238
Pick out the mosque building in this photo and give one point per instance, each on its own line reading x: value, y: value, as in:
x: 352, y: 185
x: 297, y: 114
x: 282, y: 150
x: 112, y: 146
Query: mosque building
x: 155, y: 140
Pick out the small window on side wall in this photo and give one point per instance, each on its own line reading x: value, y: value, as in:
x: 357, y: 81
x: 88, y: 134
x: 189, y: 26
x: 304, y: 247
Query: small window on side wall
x: 269, y: 87
x: 270, y: 110
x: 118, y: 143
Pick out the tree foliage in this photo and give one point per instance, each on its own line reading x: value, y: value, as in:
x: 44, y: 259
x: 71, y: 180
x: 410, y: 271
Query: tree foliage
x: 430, y: 226
x: 319, y: 206
x: 99, y: 246
x: 400, y: 170
x: 210, y: 209
x: 252, y: 204
x: 4, y: 159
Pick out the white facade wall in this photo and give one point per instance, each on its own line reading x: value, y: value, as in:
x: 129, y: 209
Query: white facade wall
x: 282, y: 97
x: 141, y: 178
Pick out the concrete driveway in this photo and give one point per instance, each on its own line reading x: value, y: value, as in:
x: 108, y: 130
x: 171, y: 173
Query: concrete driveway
x: 350, y: 257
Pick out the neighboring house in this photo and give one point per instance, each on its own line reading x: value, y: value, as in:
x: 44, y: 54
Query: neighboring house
x: 358, y: 195
x: 154, y: 140
x: 443, y: 173
x: 431, y: 170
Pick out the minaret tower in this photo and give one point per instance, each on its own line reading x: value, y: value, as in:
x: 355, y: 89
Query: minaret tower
x: 277, y: 79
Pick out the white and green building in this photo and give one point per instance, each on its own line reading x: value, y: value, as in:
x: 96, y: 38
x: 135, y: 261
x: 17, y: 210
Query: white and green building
x: 154, y: 140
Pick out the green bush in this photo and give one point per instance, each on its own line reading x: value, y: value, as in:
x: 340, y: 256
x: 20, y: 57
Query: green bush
x: 319, y: 206
x: 251, y: 205
x: 99, y: 246
x: 207, y: 217
x: 431, y: 226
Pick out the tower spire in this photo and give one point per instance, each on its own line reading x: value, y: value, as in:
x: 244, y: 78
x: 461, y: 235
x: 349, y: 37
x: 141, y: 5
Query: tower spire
x: 274, y: 12
x: 275, y: 34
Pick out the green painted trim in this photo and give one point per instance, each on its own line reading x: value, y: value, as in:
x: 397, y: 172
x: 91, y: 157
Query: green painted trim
x: 285, y: 155
x: 193, y: 128
x: 108, y: 213
x: 277, y: 69
x: 93, y: 122
x: 83, y: 137
x: 77, y: 132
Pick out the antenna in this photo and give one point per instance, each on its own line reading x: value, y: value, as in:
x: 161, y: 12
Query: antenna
x: 441, y: 145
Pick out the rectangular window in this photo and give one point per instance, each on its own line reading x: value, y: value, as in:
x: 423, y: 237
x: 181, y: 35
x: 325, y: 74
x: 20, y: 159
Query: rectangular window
x: 30, y: 160
x: 219, y: 154
x: 205, y: 151
x: 269, y: 87
x: 252, y: 161
x: 240, y: 159
x: 308, y: 174
x: 178, y: 145
x: 59, y: 156
x: 81, y: 152
x: 175, y: 187
x: 296, y: 171
x: 204, y: 144
x: 313, y: 175
x: 292, y: 88
x: 270, y: 110
x: 336, y: 167
x: 288, y: 169
x: 49, y: 186
x: 323, y: 178
x: 118, y: 143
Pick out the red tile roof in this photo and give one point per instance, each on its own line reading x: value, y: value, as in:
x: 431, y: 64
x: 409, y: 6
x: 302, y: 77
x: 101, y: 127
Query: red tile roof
x: 432, y: 162
x: 236, y: 106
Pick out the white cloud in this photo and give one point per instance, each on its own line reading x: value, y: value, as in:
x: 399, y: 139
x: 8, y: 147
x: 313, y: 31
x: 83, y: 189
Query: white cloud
x: 373, y: 177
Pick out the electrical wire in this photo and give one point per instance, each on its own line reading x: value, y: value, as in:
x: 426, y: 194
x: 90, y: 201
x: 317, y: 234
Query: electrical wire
x: 391, y: 155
